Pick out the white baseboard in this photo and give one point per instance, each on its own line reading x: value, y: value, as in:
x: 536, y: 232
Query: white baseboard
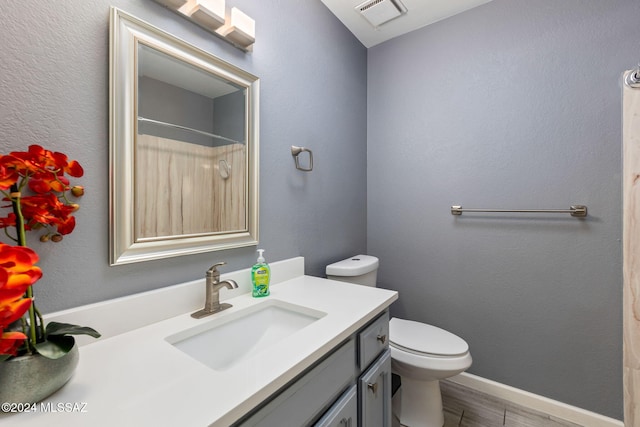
x: 536, y: 402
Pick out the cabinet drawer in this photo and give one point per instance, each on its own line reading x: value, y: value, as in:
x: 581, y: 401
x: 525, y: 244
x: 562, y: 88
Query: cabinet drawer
x: 307, y: 398
x: 373, y: 340
x: 344, y: 413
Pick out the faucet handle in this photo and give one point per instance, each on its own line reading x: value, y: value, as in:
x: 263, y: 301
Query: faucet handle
x: 213, y: 269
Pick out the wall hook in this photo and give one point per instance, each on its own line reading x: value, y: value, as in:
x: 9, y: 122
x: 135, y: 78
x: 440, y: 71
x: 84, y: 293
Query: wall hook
x: 224, y: 169
x: 296, y: 151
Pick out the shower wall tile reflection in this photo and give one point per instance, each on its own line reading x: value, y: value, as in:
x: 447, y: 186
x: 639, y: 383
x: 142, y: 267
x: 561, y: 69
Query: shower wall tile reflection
x: 188, y: 188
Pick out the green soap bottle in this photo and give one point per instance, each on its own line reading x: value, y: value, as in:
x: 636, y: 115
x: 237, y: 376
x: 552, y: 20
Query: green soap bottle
x: 260, y: 276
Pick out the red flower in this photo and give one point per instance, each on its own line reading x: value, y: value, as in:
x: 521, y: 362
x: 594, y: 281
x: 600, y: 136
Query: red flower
x: 10, y: 342
x: 37, y: 158
x: 34, y: 184
x: 47, y: 209
x: 8, y: 175
x: 67, y: 226
x: 44, y: 168
x: 8, y: 221
x: 17, y: 272
x: 12, y: 311
x: 43, y: 172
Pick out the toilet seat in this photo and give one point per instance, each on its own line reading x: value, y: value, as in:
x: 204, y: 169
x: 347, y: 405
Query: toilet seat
x: 422, y: 339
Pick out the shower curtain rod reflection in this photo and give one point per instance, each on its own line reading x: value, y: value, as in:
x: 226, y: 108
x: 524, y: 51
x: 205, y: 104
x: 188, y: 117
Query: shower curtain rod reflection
x: 579, y: 211
x: 172, y: 125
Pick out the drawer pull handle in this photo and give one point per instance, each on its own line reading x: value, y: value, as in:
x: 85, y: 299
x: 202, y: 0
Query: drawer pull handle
x: 373, y: 387
x: 382, y: 338
x: 345, y: 422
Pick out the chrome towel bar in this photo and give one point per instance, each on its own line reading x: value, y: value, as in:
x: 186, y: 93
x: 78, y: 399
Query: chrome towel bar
x: 579, y: 211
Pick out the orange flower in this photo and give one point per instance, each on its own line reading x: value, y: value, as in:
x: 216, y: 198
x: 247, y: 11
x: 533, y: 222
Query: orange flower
x: 67, y: 225
x: 34, y: 184
x: 43, y: 171
x: 44, y: 168
x: 12, y: 311
x: 10, y: 342
x: 8, y: 221
x: 8, y: 175
x: 17, y: 272
x: 47, y: 209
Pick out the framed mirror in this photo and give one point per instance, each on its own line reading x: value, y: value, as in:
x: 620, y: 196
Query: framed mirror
x: 183, y: 147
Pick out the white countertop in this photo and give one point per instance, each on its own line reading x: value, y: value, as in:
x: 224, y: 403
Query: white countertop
x: 137, y: 378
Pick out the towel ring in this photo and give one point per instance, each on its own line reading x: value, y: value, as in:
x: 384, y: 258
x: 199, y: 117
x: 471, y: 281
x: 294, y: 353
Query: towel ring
x: 296, y: 151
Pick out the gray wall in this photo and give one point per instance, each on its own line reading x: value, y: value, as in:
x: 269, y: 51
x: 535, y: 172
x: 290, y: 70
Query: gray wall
x: 229, y: 115
x: 54, y: 87
x: 515, y: 104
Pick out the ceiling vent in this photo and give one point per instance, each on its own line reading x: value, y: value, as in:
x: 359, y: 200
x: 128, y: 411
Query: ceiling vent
x: 379, y: 12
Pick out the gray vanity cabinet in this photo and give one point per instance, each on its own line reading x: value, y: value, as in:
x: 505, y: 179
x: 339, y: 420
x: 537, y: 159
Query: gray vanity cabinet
x: 374, y: 382
x: 309, y: 396
x: 349, y: 387
x: 344, y: 413
x: 374, y: 394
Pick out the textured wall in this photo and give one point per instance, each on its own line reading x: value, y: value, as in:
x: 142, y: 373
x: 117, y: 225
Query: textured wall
x: 54, y: 91
x: 515, y: 104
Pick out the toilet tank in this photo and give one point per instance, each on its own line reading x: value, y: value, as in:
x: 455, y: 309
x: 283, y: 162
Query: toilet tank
x: 360, y: 269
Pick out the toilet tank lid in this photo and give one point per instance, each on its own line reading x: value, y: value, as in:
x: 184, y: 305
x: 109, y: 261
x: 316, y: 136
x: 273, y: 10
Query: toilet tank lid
x: 354, y: 266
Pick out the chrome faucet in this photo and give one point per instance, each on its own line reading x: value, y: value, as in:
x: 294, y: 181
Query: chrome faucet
x: 212, y: 292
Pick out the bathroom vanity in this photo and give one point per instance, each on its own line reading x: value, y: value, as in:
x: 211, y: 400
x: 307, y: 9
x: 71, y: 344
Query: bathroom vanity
x: 349, y: 387
x: 320, y: 357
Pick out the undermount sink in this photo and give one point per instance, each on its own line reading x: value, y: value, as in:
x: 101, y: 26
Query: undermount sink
x: 223, y: 342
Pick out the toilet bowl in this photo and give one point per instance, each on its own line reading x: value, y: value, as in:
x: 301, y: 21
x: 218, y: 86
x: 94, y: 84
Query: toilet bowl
x: 421, y: 354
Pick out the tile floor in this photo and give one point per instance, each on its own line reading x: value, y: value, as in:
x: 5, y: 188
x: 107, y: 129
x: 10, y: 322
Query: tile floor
x: 465, y: 407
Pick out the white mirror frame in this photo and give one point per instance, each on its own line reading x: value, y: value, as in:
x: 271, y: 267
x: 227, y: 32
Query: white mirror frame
x: 125, y: 33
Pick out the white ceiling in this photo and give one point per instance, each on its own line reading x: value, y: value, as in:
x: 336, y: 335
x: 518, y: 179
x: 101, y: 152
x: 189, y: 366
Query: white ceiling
x: 174, y: 71
x: 419, y: 13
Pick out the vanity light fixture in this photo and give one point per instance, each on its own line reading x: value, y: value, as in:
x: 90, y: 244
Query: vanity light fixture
x: 240, y: 28
x: 208, y: 13
x: 232, y: 25
x: 172, y: 4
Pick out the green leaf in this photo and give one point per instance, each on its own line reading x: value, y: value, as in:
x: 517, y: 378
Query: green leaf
x: 55, y: 347
x: 59, y: 329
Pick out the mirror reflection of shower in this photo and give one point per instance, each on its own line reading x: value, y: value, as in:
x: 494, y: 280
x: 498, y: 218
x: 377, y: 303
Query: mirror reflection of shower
x: 191, y: 123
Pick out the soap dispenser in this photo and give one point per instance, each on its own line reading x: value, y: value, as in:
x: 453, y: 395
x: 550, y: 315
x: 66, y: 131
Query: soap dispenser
x: 260, y: 276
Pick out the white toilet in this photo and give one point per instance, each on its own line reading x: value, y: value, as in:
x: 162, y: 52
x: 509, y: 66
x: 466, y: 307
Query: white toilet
x: 421, y: 354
